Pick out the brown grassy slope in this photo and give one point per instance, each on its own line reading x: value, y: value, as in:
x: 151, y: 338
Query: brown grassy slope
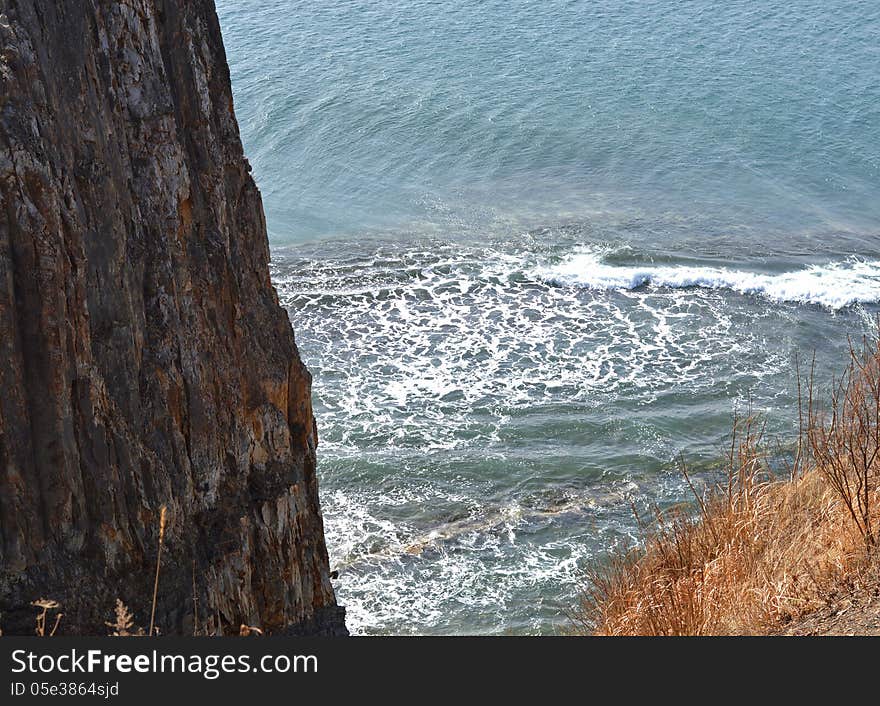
x: 760, y: 554
x: 853, y: 609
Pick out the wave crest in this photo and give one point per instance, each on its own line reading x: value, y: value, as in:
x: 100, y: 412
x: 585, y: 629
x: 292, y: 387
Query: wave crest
x: 834, y: 285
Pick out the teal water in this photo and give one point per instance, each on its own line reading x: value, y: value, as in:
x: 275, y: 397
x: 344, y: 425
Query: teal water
x: 533, y: 252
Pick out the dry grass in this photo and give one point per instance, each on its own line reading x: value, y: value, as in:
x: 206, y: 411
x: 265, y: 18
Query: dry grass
x: 158, y: 568
x: 758, y: 551
x: 123, y: 623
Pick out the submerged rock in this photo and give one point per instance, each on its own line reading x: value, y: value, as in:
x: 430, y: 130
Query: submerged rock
x: 144, y: 359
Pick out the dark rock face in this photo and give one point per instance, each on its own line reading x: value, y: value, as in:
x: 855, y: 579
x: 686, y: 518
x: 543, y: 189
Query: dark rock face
x: 144, y: 359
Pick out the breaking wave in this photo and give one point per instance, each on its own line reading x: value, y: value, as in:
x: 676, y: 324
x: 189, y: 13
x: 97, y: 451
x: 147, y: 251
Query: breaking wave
x: 834, y: 285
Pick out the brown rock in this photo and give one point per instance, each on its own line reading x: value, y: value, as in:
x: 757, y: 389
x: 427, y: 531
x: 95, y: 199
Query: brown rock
x: 144, y: 359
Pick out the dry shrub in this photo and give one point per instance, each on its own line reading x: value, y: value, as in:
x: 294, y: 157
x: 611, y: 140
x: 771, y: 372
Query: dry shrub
x: 845, y: 440
x: 758, y: 551
x: 40, y: 626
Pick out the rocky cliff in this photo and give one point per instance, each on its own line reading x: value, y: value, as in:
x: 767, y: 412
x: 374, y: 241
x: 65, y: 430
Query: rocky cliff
x: 144, y: 359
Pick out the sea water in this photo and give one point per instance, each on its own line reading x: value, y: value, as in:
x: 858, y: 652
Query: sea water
x: 536, y: 254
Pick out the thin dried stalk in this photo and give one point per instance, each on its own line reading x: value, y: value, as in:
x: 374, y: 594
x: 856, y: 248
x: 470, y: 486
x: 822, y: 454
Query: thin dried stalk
x: 158, y: 567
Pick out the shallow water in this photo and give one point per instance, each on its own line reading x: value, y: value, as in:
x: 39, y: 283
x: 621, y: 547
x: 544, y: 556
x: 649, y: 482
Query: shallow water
x: 534, y: 252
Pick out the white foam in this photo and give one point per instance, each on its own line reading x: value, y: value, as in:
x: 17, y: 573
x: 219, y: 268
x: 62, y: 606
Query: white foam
x: 395, y: 578
x: 431, y: 351
x: 834, y: 285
